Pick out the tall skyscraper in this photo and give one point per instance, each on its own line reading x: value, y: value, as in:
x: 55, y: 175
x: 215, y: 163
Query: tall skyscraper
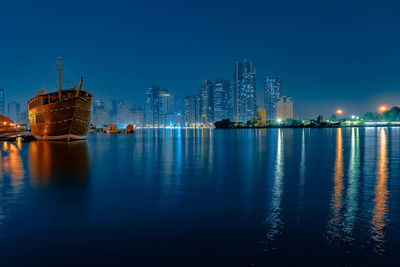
x: 13, y: 109
x: 272, y: 92
x: 207, y: 102
x: 284, y: 108
x: 119, y: 111
x: 23, y: 117
x: 244, y: 91
x: 2, y: 103
x: 190, y: 110
x: 166, y: 108
x: 100, y: 116
x: 151, y: 105
x: 222, y: 100
x: 136, y: 115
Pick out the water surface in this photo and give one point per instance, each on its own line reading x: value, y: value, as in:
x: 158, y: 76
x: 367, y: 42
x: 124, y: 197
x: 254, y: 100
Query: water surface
x: 204, y: 197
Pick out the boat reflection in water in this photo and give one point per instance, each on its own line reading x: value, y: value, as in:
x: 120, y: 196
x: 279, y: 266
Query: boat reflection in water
x: 11, y: 166
x: 57, y: 161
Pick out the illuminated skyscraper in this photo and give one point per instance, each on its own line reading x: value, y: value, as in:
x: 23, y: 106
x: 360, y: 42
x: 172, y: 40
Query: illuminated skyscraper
x: 151, y: 105
x: 244, y: 91
x: 13, y: 111
x: 222, y: 100
x: 136, y: 115
x: 207, y: 102
x: 284, y: 108
x: 166, y: 108
x: 190, y: 110
x: 100, y: 116
x: 272, y: 91
x: 2, y: 103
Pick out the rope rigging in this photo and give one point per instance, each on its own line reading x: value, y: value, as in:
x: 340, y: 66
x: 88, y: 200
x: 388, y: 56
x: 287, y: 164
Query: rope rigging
x: 42, y: 89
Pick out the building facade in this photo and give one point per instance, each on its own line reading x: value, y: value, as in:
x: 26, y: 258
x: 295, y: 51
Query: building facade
x: 151, y: 114
x: 100, y: 116
x: 2, y: 103
x: 190, y: 110
x: 244, y: 91
x: 166, y: 109
x: 222, y: 100
x: 272, y: 92
x: 13, y: 111
x: 284, y: 108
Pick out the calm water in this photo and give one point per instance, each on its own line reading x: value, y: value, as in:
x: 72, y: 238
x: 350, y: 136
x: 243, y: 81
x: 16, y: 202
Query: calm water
x: 204, y: 197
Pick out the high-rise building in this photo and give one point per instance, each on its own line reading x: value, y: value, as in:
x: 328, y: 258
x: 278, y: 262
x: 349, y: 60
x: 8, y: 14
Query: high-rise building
x: 198, y: 108
x: 136, y: 116
x: 151, y: 105
x: 100, y: 116
x: 119, y: 111
x: 244, y: 91
x: 13, y: 111
x: 166, y: 109
x: 23, y: 117
x: 222, y: 100
x: 272, y: 92
x: 191, y: 110
x: 284, y: 108
x: 207, y: 102
x: 2, y: 103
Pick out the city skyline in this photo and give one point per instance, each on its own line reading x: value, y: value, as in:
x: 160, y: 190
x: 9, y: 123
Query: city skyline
x: 326, y: 54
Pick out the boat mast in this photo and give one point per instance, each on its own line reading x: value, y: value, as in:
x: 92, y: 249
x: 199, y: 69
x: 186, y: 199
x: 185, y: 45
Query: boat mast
x: 59, y: 74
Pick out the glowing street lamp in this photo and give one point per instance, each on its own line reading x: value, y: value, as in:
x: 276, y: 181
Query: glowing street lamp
x: 353, y: 117
x: 383, y: 108
x: 339, y: 112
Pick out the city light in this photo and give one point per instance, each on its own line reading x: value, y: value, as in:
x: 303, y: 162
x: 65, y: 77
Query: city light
x: 353, y: 117
x: 383, y: 108
x: 339, y: 112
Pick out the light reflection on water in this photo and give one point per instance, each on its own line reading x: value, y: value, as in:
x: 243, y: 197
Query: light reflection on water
x: 302, y: 192
x: 335, y: 222
x: 379, y: 214
x: 274, y: 220
x: 352, y: 196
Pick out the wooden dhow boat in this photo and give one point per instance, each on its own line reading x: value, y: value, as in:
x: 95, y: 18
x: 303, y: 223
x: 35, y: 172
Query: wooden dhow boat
x: 62, y: 115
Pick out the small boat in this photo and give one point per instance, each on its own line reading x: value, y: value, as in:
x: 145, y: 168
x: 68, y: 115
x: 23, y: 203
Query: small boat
x: 93, y: 129
x: 129, y: 129
x: 111, y: 129
x: 62, y: 115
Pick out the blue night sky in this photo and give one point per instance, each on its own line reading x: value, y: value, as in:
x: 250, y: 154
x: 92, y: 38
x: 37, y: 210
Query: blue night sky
x: 330, y: 54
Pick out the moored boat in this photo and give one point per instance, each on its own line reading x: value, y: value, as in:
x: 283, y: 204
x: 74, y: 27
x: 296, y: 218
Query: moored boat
x: 60, y: 115
x: 129, y: 129
x: 111, y: 129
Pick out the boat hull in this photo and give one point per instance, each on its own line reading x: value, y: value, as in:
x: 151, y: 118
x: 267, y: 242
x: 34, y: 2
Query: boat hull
x: 62, y: 120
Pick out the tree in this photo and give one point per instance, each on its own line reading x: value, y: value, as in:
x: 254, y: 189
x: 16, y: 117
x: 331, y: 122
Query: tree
x: 371, y: 116
x: 224, y: 124
x: 392, y: 115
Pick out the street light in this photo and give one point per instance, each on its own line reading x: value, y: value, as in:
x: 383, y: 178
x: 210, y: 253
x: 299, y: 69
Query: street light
x: 383, y: 108
x: 353, y: 117
x: 339, y: 112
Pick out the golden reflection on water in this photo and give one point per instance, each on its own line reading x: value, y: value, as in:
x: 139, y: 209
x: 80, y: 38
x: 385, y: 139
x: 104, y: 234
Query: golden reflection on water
x: 11, y: 164
x: 336, y: 201
x: 379, y: 212
x: 50, y: 159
